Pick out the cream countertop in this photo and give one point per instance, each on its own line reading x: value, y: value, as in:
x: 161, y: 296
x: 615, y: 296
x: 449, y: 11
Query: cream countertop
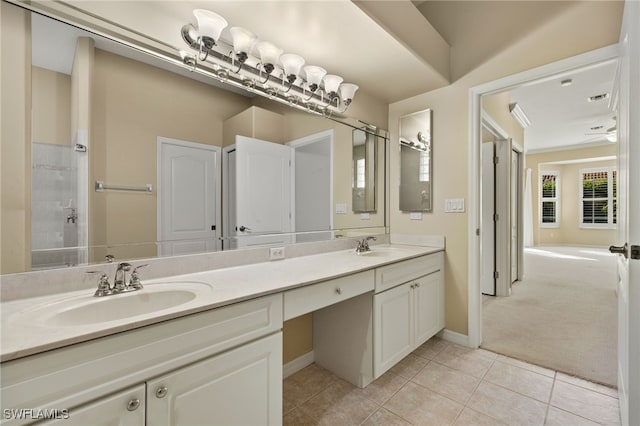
x: 23, y: 333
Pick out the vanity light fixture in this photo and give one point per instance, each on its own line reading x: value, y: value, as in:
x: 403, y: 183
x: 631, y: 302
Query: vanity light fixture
x: 269, y: 73
x: 519, y: 115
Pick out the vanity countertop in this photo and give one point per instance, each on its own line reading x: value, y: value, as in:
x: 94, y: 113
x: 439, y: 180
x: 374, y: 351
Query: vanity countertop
x: 26, y: 332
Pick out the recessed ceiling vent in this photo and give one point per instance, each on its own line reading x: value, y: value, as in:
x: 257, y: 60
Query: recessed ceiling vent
x: 600, y: 97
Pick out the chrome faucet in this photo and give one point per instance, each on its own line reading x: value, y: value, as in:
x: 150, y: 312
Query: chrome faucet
x: 119, y: 282
x: 363, y: 245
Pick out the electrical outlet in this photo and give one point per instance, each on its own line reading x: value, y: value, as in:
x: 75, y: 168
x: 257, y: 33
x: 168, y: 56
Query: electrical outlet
x: 276, y: 253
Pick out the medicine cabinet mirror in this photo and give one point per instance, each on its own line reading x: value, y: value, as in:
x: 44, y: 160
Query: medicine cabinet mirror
x: 416, y: 162
x: 365, y: 155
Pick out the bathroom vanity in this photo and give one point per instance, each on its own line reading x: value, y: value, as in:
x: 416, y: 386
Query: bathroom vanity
x: 217, y: 359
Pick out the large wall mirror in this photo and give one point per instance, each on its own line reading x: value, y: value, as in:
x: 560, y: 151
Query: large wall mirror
x: 416, y: 159
x: 135, y: 157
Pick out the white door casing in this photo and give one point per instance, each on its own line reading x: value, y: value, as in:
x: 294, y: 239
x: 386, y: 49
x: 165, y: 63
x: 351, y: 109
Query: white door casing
x: 516, y: 198
x: 188, y: 191
x: 628, y: 111
x: 548, y: 71
x: 503, y: 203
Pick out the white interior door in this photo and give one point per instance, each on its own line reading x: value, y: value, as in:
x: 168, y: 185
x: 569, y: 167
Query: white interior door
x: 515, y: 223
x: 628, y: 214
x: 488, y: 282
x: 263, y: 192
x: 503, y: 150
x: 187, y: 197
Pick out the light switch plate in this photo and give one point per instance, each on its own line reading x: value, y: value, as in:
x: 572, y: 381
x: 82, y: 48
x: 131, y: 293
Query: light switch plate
x: 341, y: 208
x: 454, y: 205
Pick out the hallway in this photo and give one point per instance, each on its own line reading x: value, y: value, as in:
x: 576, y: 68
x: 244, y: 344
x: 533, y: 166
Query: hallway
x: 562, y: 316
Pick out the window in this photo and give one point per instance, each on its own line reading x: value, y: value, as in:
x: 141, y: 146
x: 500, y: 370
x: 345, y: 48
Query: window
x: 424, y: 166
x: 598, y: 194
x: 360, y: 173
x: 549, y: 196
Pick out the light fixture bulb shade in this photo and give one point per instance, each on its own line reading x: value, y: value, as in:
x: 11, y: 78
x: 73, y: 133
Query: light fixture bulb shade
x: 210, y: 24
x: 347, y: 91
x: 243, y: 39
x: 331, y: 83
x: 291, y: 63
x: 269, y: 53
x: 314, y: 74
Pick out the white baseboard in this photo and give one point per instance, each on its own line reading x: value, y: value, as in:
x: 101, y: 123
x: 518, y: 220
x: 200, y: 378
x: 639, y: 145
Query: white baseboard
x: 453, y: 337
x: 297, y: 364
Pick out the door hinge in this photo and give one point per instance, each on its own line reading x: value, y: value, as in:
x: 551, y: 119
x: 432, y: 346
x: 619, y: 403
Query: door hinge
x: 496, y: 275
x: 635, y: 252
x: 496, y: 160
x: 496, y: 217
x: 478, y: 232
x: 213, y: 227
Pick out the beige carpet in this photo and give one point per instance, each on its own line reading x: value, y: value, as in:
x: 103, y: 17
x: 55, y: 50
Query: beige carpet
x: 562, y: 316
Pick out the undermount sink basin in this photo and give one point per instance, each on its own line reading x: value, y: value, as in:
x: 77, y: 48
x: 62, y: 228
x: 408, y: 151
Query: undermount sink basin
x: 87, y: 309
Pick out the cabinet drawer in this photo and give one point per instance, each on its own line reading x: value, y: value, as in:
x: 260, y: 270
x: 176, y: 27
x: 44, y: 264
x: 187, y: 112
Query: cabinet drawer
x: 398, y: 273
x: 307, y: 299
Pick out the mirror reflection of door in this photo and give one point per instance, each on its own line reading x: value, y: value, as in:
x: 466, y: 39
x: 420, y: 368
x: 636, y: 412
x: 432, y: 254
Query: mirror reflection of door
x: 187, y: 197
x: 259, y: 210
x: 364, y: 172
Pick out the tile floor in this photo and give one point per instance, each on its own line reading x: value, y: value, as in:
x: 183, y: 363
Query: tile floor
x: 441, y: 383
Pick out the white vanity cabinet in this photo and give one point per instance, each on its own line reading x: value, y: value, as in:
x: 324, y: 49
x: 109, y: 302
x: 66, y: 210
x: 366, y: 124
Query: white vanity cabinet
x: 405, y: 317
x: 361, y: 338
x: 124, y: 408
x: 221, y: 366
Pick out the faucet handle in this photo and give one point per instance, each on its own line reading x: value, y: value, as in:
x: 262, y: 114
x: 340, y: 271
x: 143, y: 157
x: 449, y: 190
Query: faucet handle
x: 134, y: 281
x: 104, y: 288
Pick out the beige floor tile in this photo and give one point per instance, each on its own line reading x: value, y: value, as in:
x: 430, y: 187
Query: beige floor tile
x: 587, y: 384
x: 422, y: 406
x: 507, y: 406
x: 471, y: 361
x: 558, y: 417
x: 470, y: 417
x: 409, y: 366
x: 520, y: 380
x: 585, y: 403
x: 304, y: 384
x: 384, y: 417
x: 431, y: 348
x: 297, y: 418
x: 383, y: 388
x: 531, y: 367
x: 446, y: 381
x: 339, y: 404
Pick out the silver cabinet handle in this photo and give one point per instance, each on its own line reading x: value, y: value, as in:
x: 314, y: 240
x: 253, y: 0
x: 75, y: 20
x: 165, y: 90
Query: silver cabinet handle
x: 338, y: 290
x: 133, y: 404
x: 161, y: 392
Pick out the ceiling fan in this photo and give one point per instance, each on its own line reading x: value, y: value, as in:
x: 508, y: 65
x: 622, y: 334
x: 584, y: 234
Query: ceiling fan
x: 611, y: 133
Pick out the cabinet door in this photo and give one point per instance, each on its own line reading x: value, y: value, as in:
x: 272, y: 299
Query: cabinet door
x: 240, y: 387
x: 393, y: 327
x: 429, y: 306
x: 125, y: 408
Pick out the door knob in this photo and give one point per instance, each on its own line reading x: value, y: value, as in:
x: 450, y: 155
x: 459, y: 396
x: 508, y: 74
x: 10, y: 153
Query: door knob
x: 161, y: 392
x: 244, y: 228
x: 623, y: 250
x: 133, y: 405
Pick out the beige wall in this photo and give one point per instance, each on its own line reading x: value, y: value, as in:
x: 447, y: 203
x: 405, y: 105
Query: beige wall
x: 133, y: 104
x: 569, y: 231
x: 582, y: 27
x: 51, y: 107
x: 15, y: 145
x: 497, y: 106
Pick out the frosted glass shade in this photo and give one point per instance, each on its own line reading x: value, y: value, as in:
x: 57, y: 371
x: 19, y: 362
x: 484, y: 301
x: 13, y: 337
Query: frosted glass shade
x: 210, y: 24
x: 291, y: 63
x: 331, y: 83
x: 314, y: 75
x: 347, y: 91
x: 243, y: 39
x: 269, y: 53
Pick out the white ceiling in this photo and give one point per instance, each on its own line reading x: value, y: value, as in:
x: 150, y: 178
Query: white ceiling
x: 336, y: 35
x: 562, y: 117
